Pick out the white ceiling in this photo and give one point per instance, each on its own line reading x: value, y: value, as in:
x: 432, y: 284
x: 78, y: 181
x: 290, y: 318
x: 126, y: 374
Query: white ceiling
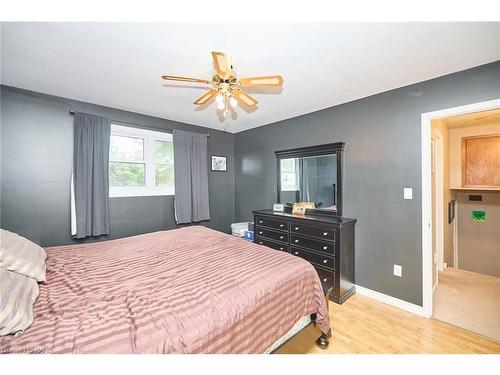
x: 119, y: 64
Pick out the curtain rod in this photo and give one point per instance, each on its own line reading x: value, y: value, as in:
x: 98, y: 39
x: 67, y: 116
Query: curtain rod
x: 72, y: 112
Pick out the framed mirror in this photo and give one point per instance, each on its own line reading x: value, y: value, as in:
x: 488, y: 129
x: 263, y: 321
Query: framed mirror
x: 311, y: 174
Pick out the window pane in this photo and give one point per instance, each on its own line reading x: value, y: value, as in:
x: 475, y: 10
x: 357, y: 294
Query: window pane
x: 126, y: 148
x: 126, y: 174
x: 164, y: 152
x: 164, y: 175
x: 289, y: 181
x: 288, y: 165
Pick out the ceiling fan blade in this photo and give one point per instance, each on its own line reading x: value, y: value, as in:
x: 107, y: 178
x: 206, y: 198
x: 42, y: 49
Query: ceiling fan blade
x: 184, y: 79
x: 244, y: 98
x: 206, y: 97
x: 222, y: 64
x: 262, y: 81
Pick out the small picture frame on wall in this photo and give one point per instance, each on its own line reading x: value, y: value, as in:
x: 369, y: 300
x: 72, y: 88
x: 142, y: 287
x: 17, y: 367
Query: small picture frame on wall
x: 219, y: 163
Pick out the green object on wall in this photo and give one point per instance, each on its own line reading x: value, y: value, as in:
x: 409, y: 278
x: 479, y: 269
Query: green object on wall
x: 478, y: 216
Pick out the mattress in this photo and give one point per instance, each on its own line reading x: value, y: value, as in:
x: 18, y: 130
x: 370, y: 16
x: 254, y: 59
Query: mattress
x: 188, y: 290
x: 297, y: 327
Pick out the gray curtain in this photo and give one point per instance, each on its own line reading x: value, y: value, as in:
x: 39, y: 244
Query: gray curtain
x: 191, y: 177
x: 90, y: 175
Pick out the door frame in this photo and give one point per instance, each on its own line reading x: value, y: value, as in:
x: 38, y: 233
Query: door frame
x: 427, y: 220
x: 439, y: 202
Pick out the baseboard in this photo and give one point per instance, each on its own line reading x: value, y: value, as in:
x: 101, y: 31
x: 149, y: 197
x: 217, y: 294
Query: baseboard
x: 393, y: 301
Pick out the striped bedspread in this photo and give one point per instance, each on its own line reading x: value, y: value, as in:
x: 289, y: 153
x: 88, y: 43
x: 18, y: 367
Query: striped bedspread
x: 189, y: 290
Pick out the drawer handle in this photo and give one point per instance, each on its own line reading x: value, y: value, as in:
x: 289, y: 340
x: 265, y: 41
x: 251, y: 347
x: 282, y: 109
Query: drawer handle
x: 325, y: 247
x: 282, y: 225
x: 325, y: 280
x: 296, y: 228
x: 325, y: 261
x: 281, y: 237
x: 260, y: 221
x: 260, y: 232
x: 325, y: 233
x: 296, y: 241
x: 281, y: 248
x: 296, y: 253
x: 260, y: 242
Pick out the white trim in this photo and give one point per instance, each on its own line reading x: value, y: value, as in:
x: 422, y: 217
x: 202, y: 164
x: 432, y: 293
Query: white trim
x: 434, y: 288
x: 426, y: 119
x: 439, y: 201
x: 393, y: 301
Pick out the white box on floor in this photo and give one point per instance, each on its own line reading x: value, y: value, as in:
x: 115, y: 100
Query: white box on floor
x: 238, y: 229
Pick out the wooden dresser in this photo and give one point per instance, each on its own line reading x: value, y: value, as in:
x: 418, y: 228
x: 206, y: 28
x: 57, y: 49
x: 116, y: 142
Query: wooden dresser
x: 327, y: 242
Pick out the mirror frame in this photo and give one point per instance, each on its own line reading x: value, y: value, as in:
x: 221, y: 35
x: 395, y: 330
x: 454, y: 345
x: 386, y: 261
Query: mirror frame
x: 319, y: 150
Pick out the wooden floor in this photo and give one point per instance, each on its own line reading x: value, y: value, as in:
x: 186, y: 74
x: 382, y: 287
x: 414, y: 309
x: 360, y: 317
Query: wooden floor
x: 363, y: 325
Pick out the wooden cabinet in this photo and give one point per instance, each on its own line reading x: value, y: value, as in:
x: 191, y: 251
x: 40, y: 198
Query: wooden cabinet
x: 327, y: 242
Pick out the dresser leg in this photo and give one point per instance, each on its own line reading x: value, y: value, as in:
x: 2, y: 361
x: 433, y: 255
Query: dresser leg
x: 324, y: 340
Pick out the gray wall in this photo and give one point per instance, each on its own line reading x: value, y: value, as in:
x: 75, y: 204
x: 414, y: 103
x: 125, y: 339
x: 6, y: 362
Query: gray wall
x: 36, y: 163
x: 479, y: 243
x: 382, y: 156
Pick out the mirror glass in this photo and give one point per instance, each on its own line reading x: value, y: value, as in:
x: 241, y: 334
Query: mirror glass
x: 309, y: 179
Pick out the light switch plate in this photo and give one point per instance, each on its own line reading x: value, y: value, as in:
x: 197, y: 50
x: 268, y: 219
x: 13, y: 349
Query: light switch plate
x: 407, y: 193
x: 398, y: 270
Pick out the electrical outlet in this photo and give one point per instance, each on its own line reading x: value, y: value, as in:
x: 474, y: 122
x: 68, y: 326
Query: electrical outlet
x: 398, y: 270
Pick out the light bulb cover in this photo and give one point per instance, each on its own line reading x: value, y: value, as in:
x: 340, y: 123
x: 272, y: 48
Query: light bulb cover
x: 220, y: 105
x: 233, y: 102
x: 219, y: 99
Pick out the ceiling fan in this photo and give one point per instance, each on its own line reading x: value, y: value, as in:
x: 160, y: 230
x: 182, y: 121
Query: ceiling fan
x: 226, y: 87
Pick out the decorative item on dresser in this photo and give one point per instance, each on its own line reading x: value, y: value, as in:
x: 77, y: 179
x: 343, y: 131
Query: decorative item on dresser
x: 327, y: 242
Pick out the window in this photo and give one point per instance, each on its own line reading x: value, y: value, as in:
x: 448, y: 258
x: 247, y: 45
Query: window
x: 141, y: 162
x: 289, y: 174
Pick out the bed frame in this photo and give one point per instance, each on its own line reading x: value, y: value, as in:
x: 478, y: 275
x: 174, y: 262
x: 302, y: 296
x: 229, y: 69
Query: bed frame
x: 323, y: 341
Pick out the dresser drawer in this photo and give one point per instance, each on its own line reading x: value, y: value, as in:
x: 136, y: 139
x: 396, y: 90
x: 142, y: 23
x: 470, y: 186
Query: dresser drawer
x: 313, y: 231
x: 279, y: 224
x: 327, y: 247
x: 327, y: 278
x: 314, y: 258
x: 271, y: 244
x: 266, y: 233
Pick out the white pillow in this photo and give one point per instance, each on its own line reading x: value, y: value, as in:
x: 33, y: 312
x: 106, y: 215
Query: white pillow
x: 20, y: 255
x: 18, y: 293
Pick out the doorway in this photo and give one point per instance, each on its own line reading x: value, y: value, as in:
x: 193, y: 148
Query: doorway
x: 461, y: 258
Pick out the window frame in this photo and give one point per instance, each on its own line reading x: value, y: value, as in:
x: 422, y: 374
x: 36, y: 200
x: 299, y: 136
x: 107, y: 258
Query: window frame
x: 149, y: 138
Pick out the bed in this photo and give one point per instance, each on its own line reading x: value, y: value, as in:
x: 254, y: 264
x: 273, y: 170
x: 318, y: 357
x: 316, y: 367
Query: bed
x: 188, y: 290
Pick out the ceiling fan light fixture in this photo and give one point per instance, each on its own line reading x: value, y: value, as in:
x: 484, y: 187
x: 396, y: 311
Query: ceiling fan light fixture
x: 226, y: 88
x: 219, y: 99
x: 233, y: 102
